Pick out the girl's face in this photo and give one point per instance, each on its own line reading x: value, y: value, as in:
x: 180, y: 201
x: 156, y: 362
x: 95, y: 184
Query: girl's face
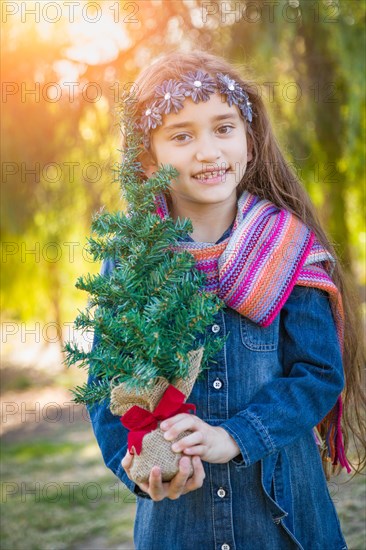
x: 201, y: 137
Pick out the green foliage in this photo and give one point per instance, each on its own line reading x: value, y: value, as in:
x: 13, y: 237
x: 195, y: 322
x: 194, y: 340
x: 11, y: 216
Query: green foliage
x: 55, y: 205
x: 148, y: 313
x: 314, y: 48
x: 89, y: 393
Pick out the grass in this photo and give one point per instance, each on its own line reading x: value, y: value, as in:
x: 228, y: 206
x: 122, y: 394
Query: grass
x: 56, y: 494
x: 349, y: 498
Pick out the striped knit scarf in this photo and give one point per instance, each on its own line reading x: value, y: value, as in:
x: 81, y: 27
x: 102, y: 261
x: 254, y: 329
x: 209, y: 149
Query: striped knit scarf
x: 255, y: 269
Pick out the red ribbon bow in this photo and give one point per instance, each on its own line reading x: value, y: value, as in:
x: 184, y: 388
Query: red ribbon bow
x: 140, y: 421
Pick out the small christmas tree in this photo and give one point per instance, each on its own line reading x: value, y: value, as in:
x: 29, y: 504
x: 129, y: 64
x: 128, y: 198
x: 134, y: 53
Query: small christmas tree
x: 149, y: 311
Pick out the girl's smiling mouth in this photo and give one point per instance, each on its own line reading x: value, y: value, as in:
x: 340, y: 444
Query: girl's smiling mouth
x: 211, y: 176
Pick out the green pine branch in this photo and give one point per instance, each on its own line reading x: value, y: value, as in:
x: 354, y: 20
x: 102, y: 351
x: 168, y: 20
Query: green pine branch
x: 92, y: 393
x: 148, y: 313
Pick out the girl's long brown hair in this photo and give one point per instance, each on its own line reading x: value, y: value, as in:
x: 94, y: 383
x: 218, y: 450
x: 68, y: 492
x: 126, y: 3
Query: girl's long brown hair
x: 270, y: 177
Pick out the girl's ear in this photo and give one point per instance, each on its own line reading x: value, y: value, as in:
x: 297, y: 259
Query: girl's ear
x: 148, y: 163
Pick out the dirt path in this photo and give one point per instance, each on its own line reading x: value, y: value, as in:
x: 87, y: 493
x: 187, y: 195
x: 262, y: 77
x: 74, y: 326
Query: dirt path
x: 32, y: 413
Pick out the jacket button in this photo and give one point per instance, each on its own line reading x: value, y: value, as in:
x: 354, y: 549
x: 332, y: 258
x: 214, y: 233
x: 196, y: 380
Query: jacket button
x: 215, y: 328
x: 217, y: 384
x: 221, y: 492
x: 225, y: 547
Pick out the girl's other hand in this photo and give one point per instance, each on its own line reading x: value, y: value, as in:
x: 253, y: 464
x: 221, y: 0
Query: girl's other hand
x: 176, y: 487
x: 211, y: 443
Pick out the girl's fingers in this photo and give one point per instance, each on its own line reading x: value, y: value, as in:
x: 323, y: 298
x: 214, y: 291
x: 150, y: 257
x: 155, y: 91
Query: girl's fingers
x: 186, y: 424
x: 189, y: 440
x: 196, y: 481
x: 156, y: 489
x: 127, y: 460
x: 144, y: 486
x: 177, y: 484
x: 195, y: 450
x: 166, y: 424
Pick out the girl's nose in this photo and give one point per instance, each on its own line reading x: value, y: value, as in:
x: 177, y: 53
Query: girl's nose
x: 207, y: 150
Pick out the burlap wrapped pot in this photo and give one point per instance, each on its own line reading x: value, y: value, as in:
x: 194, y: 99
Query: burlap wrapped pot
x: 156, y: 451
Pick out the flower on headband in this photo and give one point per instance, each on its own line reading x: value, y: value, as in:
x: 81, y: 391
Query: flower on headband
x: 172, y: 95
x: 150, y: 118
x: 231, y: 89
x: 199, y: 86
x: 246, y: 109
x: 235, y: 94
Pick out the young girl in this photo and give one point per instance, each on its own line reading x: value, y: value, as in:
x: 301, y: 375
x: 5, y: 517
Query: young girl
x: 273, y: 397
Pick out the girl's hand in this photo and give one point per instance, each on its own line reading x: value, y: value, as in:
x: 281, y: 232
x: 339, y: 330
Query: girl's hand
x: 179, y: 485
x: 210, y: 443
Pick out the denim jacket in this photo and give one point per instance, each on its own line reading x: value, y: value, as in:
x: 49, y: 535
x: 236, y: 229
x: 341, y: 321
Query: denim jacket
x: 269, y: 387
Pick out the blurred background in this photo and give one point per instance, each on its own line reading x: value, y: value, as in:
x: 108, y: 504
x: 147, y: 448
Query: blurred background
x: 64, y: 67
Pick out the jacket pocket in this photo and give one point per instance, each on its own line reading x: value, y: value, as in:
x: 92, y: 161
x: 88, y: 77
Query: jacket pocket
x: 257, y: 338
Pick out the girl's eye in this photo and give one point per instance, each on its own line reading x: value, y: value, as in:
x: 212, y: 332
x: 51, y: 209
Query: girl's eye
x: 179, y: 136
x: 226, y: 126
x: 176, y: 138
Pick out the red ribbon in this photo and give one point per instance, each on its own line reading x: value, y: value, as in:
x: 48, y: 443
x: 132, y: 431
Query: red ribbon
x: 140, y: 421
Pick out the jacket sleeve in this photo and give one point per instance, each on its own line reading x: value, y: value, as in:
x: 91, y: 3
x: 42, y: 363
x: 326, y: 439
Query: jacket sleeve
x: 285, y: 408
x: 110, y: 434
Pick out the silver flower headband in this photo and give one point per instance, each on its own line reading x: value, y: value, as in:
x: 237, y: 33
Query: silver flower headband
x: 198, y: 86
